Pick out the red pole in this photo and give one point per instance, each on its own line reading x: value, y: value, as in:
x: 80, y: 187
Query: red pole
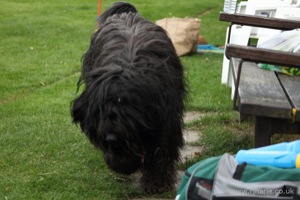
x: 99, y: 13
x: 99, y: 8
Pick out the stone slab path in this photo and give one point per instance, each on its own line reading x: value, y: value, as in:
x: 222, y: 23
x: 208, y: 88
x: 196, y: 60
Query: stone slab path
x: 190, y: 136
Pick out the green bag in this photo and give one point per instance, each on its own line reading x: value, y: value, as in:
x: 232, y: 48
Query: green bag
x: 221, y: 177
x: 293, y: 71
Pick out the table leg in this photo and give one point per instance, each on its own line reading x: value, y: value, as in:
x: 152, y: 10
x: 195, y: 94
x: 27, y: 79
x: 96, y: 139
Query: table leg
x: 263, y: 131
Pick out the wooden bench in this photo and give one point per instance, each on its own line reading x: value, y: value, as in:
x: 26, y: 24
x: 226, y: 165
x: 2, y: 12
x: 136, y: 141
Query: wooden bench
x: 272, y: 98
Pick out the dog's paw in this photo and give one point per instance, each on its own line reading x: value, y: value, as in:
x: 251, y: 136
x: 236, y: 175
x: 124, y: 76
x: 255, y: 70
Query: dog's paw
x: 154, y: 187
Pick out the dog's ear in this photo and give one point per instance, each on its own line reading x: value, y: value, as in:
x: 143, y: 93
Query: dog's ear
x: 83, y: 113
x: 79, y: 109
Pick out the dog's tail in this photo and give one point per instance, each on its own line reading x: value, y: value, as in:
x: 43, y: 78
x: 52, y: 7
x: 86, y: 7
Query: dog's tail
x: 117, y: 8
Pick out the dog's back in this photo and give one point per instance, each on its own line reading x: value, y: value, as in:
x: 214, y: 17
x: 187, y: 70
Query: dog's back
x: 121, y: 28
x: 117, y: 8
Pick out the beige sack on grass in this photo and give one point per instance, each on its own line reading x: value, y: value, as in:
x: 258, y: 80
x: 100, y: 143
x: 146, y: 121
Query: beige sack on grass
x: 183, y: 32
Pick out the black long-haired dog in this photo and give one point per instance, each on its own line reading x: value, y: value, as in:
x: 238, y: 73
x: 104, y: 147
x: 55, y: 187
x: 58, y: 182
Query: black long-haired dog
x: 132, y: 103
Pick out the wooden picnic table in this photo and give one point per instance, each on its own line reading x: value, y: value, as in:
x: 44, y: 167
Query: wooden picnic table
x: 271, y: 97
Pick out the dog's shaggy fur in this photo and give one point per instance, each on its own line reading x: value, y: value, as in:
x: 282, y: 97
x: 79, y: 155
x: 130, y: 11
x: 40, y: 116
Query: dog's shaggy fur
x: 132, y: 105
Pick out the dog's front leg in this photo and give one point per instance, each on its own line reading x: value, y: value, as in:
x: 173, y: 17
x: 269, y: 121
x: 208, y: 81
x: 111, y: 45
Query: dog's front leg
x: 159, y: 171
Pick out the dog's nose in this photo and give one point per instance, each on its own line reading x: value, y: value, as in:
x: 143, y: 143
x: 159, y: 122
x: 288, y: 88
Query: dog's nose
x: 112, y: 139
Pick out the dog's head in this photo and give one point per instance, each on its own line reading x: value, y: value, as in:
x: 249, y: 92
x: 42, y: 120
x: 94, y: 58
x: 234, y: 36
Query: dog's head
x: 121, y: 110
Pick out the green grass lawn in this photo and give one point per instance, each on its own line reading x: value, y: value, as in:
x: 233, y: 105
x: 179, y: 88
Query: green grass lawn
x: 42, y: 154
